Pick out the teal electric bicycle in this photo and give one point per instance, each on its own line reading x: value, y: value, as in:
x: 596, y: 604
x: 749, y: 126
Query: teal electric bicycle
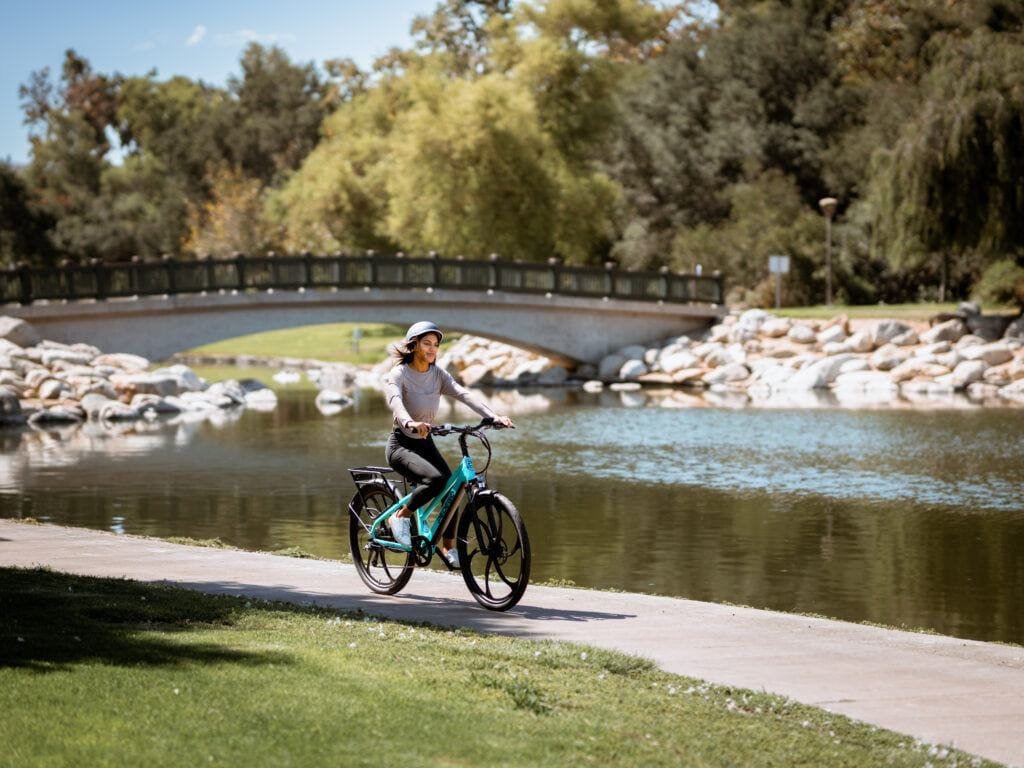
x: 494, y: 550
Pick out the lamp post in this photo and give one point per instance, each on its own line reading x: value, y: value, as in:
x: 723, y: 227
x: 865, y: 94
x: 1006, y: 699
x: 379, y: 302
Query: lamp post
x: 828, y: 207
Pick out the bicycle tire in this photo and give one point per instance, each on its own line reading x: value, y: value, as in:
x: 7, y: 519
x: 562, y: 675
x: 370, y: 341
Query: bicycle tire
x: 494, y: 550
x: 385, y: 571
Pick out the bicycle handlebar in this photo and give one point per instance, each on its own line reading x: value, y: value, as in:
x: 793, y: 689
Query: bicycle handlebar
x: 447, y: 429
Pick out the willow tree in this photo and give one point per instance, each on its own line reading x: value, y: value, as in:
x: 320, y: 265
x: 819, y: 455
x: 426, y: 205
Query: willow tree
x: 952, y: 182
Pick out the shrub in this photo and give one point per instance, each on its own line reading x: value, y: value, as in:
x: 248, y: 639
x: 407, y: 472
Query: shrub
x: 1001, y: 283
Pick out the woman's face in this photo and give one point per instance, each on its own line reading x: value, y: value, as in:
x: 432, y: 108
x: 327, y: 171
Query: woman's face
x: 426, y: 348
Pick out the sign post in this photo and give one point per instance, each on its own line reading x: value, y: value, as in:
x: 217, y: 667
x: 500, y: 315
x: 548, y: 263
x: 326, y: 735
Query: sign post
x: 778, y: 266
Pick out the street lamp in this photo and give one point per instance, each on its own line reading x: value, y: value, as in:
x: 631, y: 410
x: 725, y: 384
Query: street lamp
x: 828, y: 207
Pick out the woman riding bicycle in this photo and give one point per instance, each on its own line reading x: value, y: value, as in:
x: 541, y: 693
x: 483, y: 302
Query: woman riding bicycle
x: 413, y: 391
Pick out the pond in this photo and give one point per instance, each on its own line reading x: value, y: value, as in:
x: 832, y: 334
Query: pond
x: 902, y: 517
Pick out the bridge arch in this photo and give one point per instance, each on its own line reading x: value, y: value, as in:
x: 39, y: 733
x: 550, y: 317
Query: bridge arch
x: 568, y: 328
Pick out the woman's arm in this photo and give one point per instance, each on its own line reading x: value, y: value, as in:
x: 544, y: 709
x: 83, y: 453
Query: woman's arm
x: 393, y: 397
x: 452, y: 388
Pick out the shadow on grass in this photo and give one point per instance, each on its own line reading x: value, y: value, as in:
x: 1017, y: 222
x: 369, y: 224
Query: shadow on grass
x: 53, y: 620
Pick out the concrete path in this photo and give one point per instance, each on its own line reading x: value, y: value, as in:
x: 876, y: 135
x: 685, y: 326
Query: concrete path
x: 941, y: 690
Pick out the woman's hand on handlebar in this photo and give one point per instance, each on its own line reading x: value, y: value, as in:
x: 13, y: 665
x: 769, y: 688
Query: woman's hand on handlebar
x: 504, y: 421
x: 421, y: 428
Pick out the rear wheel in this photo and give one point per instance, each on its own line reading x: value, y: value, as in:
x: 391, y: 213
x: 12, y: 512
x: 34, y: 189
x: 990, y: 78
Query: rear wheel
x: 494, y: 551
x: 384, y: 570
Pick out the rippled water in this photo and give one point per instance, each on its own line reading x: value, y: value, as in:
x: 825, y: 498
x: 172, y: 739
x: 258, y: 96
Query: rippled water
x: 903, y: 517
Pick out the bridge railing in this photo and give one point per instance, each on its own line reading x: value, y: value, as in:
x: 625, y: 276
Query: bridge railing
x: 242, y: 273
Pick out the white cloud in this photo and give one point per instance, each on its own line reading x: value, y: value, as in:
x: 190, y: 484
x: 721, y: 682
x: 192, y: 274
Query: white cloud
x: 243, y: 36
x: 197, y: 35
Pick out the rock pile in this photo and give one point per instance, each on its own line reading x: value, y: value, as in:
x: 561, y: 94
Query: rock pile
x: 48, y: 382
x: 765, y: 356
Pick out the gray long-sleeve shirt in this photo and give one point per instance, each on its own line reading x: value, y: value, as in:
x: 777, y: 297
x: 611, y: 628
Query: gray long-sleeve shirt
x: 414, y: 396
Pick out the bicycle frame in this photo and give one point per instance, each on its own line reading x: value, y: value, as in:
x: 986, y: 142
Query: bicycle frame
x: 434, y: 515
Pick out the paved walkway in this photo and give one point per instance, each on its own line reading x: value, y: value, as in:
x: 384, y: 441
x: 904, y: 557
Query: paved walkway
x: 938, y: 689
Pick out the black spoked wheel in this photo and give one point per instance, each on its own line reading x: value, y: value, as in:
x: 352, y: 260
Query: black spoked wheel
x: 494, y: 551
x: 384, y: 570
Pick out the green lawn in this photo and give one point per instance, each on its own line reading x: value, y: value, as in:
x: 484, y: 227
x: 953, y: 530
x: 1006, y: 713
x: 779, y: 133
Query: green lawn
x: 332, y: 342
x: 116, y: 673
x: 912, y: 312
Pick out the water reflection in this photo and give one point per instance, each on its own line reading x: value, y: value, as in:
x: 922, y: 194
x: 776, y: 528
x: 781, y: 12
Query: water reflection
x: 895, y: 515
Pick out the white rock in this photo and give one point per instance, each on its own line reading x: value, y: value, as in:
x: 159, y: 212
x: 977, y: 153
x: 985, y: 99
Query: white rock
x: 866, y: 380
x: 775, y: 327
x: 853, y: 365
x: 734, y: 353
x: 818, y: 374
x: 801, y: 334
x: 949, y: 359
x: 888, y: 356
x: 703, y: 350
x: 677, y: 361
x: 718, y: 333
x: 949, y: 331
x: 906, y: 339
x: 18, y: 332
x: 54, y: 389
x: 287, y: 377
x: 992, y: 354
x: 229, y: 389
x: 631, y: 370
x: 774, y: 378
x: 836, y: 348
x: 122, y: 361
x: 188, y: 380
x: 982, y: 391
x: 915, y: 367
x: 473, y: 375
x: 966, y: 373
x: 651, y: 357
x: 593, y: 386
x: 861, y: 341
x: 50, y: 356
x: 685, y: 375
x: 887, y: 330
x: 726, y: 373
x: 831, y: 334
x: 970, y: 340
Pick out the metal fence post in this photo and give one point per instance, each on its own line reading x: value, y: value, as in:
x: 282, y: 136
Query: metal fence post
x: 240, y: 269
x: 98, y: 272
x: 307, y: 269
x: 170, y: 265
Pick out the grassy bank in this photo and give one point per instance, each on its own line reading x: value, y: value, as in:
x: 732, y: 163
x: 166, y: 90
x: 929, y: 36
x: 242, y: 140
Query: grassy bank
x: 907, y: 312
x: 97, y: 671
x: 333, y: 342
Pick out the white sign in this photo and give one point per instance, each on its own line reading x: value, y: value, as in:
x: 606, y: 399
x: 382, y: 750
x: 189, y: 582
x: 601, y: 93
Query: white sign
x: 778, y: 265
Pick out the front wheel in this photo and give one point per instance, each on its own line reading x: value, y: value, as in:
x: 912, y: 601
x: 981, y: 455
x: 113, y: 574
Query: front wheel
x: 384, y: 570
x: 494, y: 551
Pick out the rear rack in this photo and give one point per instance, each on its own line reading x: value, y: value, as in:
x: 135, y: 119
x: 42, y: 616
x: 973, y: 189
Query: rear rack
x: 369, y: 474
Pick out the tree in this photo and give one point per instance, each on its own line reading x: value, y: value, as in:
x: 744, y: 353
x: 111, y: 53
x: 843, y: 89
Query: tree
x: 232, y: 220
x: 272, y: 120
x: 23, y: 229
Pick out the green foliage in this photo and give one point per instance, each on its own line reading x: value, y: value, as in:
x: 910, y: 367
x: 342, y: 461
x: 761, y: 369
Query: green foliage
x: 1002, y: 283
x: 23, y: 229
x: 767, y: 217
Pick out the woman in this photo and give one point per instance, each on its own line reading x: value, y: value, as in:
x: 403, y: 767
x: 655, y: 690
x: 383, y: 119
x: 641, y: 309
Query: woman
x: 413, y: 391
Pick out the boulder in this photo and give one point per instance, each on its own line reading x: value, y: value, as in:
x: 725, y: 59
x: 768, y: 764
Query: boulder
x: 817, y: 375
x: 118, y: 411
x: 50, y: 356
x: 906, y: 339
x: 970, y: 340
x: 631, y: 370
x: 677, y: 361
x: 230, y: 390
x: 831, y: 334
x: 949, y: 359
x: 950, y: 331
x: 916, y: 367
x: 718, y: 333
x: 887, y: 330
x: 122, y: 361
x: 187, y: 379
x: 836, y: 348
x: 888, y: 356
x: 19, y: 332
x: 968, y: 309
x: 988, y: 327
x: 609, y: 367
x: 866, y: 381
x: 999, y: 375
x: 801, y: 334
x: 54, y: 389
x: 982, y: 391
x: 992, y: 354
x: 93, y: 403
x: 687, y: 376
x: 776, y: 377
x: 775, y: 327
x: 734, y: 353
x: 147, y: 384
x: 703, y: 350
x: 726, y: 373
x: 853, y: 365
x: 1015, y: 330
x: 965, y: 373
x: 651, y: 357
x: 633, y: 352
x: 861, y: 341
x: 781, y: 352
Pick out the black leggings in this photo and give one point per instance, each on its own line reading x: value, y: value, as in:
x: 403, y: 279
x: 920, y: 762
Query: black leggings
x: 419, y: 461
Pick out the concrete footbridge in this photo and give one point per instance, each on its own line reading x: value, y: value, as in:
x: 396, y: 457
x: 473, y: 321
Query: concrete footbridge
x: 161, y: 307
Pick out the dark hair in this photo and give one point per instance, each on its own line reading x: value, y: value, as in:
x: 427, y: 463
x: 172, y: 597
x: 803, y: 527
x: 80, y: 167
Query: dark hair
x: 400, y: 352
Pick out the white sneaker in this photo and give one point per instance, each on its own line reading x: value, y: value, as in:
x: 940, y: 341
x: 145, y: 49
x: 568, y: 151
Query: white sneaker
x: 452, y: 556
x: 401, y: 529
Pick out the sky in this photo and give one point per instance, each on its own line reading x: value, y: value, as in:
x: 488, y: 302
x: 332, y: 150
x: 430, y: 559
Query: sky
x: 201, y: 39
